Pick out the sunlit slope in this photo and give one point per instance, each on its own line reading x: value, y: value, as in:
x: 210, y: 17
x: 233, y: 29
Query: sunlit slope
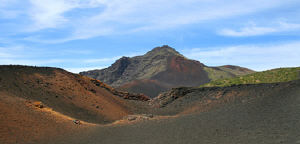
x: 270, y: 76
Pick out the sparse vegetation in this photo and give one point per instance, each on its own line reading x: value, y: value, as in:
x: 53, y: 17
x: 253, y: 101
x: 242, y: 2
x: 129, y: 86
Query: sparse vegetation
x: 227, y: 71
x: 270, y: 76
x: 215, y: 74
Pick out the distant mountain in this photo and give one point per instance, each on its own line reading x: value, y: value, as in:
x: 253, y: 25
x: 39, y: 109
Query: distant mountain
x: 159, y: 70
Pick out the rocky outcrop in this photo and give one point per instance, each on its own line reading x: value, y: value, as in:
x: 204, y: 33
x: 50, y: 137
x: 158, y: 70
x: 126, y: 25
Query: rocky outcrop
x: 138, y: 117
x: 125, y: 95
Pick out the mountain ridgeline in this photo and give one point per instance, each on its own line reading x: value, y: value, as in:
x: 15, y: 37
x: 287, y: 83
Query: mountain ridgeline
x: 159, y: 70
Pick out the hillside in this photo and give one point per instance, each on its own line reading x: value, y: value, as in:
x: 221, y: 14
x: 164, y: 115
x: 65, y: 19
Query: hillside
x: 269, y: 76
x: 41, y: 103
x: 159, y: 70
x: 246, y: 114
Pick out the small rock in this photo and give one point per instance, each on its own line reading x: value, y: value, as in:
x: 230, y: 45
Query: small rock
x: 93, y: 91
x: 131, y: 118
x: 38, y: 104
x: 76, y: 122
x: 150, y: 115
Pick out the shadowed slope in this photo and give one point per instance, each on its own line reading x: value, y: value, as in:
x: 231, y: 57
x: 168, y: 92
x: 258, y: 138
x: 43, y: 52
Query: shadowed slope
x: 150, y: 88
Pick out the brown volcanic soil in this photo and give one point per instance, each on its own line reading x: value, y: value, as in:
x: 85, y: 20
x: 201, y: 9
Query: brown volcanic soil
x: 182, y: 72
x: 246, y: 114
x: 23, y: 122
x: 38, y: 103
x: 30, y: 112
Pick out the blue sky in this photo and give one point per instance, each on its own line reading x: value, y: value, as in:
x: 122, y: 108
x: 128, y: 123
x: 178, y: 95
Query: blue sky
x: 80, y: 35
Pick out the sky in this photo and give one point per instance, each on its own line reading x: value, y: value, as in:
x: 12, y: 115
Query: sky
x: 80, y: 35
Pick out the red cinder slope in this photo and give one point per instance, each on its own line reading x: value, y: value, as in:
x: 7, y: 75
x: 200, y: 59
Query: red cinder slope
x: 40, y: 102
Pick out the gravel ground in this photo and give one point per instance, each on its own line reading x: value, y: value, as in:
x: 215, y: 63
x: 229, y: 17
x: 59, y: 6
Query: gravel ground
x: 272, y: 118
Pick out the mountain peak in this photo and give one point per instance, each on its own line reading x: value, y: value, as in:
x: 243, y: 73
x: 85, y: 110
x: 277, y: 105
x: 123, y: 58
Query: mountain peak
x: 164, y: 47
x: 164, y: 50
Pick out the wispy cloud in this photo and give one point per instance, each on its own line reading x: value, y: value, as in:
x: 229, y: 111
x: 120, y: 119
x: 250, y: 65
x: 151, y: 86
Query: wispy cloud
x: 6, y: 12
x: 48, y: 13
x: 254, y: 30
x: 11, y: 52
x: 257, y: 57
x: 121, y: 16
x: 127, y: 16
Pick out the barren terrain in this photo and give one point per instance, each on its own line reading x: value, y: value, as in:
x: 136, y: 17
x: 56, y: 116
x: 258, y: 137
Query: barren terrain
x: 42, y: 105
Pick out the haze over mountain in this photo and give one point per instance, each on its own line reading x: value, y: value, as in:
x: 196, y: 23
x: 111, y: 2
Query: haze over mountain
x: 159, y: 70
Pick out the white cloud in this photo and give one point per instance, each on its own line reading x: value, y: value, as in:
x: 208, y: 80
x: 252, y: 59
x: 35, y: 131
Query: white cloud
x: 162, y: 14
x: 254, y: 30
x: 49, y: 13
x: 126, y: 16
x: 257, y: 57
x: 77, y: 70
